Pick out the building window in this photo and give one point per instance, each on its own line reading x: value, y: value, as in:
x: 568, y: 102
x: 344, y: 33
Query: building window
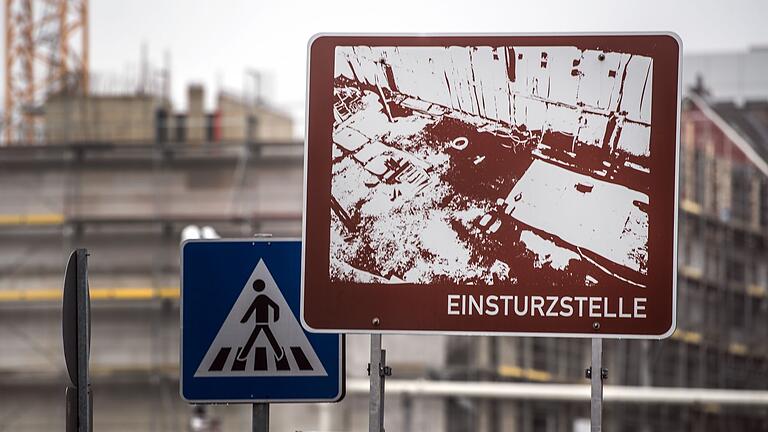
x: 763, y: 203
x: 740, y: 193
x: 735, y: 271
x: 699, y: 174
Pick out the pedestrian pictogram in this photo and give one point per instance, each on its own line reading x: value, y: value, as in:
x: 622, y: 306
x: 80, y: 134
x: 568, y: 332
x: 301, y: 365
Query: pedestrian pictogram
x: 260, y: 306
x: 257, y: 339
x: 241, y: 338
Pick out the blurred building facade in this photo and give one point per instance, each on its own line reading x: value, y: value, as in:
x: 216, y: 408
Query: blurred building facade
x: 142, y: 118
x: 734, y: 76
x: 123, y: 175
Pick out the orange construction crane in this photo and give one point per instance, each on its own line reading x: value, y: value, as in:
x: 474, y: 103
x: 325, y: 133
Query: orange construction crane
x: 46, y: 52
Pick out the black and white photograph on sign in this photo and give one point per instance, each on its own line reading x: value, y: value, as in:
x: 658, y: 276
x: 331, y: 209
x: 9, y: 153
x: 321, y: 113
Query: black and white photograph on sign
x: 260, y: 336
x: 490, y: 165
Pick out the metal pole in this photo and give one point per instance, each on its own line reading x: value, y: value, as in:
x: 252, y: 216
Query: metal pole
x: 495, y: 412
x: 260, y: 419
x: 596, y: 377
x: 378, y: 370
x: 325, y: 418
x: 83, y: 343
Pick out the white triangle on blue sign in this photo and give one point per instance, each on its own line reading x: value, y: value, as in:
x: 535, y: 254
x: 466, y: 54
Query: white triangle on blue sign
x: 261, y: 336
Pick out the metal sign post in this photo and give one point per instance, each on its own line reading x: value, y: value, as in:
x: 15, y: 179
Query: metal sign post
x: 76, y: 334
x: 83, y: 343
x: 260, y: 419
x: 378, y: 370
x: 597, y: 374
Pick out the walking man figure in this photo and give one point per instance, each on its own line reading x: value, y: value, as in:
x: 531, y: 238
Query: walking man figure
x: 260, y: 311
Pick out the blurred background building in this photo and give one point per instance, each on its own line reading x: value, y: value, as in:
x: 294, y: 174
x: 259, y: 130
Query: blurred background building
x: 733, y: 76
x: 118, y: 169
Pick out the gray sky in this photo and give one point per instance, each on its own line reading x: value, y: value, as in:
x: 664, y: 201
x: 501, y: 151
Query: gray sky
x: 214, y: 42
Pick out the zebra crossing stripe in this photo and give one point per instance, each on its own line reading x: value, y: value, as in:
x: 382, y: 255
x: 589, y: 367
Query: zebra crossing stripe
x: 301, y: 359
x: 260, y: 360
x: 237, y: 364
x: 282, y: 363
x: 220, y: 360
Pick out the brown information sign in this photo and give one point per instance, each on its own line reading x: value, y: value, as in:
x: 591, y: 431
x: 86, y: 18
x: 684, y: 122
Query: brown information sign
x: 513, y: 184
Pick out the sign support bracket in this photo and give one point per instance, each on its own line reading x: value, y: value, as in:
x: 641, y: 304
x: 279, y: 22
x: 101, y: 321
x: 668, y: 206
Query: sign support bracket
x: 378, y: 371
x: 260, y: 417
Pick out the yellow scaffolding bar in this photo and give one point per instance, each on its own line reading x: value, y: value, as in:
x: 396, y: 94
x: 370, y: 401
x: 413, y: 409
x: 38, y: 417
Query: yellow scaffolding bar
x: 32, y: 219
x: 511, y: 371
x: 117, y: 293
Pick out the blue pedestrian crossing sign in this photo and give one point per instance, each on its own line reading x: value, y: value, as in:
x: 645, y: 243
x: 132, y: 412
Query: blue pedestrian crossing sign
x: 241, y: 338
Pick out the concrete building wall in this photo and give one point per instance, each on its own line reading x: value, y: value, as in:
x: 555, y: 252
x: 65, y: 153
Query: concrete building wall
x: 135, y: 119
x: 234, y: 119
x: 127, y: 119
x: 241, y: 121
x: 196, y: 124
x: 272, y: 125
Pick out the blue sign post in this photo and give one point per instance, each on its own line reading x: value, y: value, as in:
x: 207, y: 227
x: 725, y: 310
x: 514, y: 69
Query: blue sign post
x: 241, y: 336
